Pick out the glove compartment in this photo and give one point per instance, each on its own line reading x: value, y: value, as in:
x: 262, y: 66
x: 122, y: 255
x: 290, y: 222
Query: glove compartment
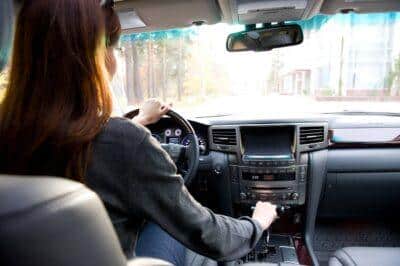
x: 361, y: 183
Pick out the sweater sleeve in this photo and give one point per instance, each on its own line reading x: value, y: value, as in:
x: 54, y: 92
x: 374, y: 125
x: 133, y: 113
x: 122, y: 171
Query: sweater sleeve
x: 158, y: 192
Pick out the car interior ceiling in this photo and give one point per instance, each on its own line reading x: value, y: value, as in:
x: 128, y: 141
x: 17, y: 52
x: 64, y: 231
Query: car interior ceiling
x: 337, y: 190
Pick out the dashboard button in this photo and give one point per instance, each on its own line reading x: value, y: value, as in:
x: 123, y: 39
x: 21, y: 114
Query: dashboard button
x: 294, y: 196
x: 264, y: 196
x: 283, y: 163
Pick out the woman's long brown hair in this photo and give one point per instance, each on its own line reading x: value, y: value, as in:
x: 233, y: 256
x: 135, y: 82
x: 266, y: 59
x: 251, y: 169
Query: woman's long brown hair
x: 57, y: 100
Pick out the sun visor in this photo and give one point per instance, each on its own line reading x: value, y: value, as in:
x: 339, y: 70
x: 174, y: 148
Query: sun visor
x: 146, y: 15
x: 130, y: 20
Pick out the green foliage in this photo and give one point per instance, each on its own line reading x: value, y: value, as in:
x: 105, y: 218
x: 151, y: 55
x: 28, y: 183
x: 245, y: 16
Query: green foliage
x: 172, y: 65
x: 393, y: 76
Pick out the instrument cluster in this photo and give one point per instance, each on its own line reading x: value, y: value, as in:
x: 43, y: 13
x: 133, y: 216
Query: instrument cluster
x: 177, y: 136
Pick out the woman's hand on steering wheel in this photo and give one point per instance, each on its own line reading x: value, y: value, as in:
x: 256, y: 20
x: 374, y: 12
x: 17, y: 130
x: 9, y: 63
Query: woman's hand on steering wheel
x: 151, y: 112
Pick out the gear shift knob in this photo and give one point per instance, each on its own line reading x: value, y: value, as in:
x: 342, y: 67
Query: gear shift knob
x: 280, y: 209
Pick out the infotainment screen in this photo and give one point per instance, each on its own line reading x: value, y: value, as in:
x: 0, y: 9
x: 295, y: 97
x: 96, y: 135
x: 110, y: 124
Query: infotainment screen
x: 267, y: 143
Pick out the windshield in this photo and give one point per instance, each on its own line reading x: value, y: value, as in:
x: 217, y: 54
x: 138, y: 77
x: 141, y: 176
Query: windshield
x: 346, y: 63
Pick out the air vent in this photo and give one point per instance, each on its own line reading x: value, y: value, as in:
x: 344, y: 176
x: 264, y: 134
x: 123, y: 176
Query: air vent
x: 224, y: 136
x: 309, y: 135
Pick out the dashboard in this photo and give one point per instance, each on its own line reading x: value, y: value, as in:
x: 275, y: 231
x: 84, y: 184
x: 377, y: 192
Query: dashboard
x: 269, y: 157
x: 315, y: 167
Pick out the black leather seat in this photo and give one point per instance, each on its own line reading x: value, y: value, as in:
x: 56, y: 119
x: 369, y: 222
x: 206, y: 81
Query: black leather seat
x: 46, y: 221
x: 366, y: 256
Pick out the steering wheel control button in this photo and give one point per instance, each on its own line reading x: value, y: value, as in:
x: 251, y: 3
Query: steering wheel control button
x: 294, y: 196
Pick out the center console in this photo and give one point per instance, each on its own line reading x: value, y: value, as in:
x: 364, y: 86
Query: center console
x: 269, y: 166
x: 273, y: 249
x: 270, y: 163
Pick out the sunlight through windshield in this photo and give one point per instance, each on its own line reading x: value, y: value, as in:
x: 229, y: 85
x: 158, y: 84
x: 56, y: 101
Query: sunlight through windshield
x: 346, y: 63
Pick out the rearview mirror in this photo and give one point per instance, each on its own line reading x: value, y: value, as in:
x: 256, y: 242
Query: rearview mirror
x: 265, y: 39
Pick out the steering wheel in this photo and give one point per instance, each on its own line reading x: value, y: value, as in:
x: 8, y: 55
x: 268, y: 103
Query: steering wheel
x: 186, y: 158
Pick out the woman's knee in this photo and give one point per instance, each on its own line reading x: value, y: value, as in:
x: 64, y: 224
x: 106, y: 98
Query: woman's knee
x: 154, y: 242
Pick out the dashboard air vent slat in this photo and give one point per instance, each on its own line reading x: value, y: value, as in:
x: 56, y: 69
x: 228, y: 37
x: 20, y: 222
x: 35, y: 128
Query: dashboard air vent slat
x: 224, y: 136
x: 309, y: 135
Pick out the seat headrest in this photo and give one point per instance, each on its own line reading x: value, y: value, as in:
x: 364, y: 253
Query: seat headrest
x: 54, y: 222
x: 21, y: 193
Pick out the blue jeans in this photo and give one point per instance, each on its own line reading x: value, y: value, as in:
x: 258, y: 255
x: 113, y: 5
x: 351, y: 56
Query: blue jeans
x: 154, y: 242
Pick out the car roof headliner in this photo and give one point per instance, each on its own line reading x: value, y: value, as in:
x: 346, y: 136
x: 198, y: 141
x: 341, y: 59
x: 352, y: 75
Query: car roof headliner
x: 167, y: 14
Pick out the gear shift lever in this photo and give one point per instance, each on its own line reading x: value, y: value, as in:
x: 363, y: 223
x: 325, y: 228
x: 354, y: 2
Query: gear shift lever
x: 280, y: 210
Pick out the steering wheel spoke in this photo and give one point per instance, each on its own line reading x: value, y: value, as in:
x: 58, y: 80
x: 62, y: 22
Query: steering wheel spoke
x: 178, y: 152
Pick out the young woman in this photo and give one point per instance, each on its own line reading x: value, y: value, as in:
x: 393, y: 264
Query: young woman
x: 152, y: 240
x: 55, y: 120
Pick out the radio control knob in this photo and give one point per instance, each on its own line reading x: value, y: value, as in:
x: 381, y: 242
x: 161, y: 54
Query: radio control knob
x: 294, y: 196
x: 243, y: 196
